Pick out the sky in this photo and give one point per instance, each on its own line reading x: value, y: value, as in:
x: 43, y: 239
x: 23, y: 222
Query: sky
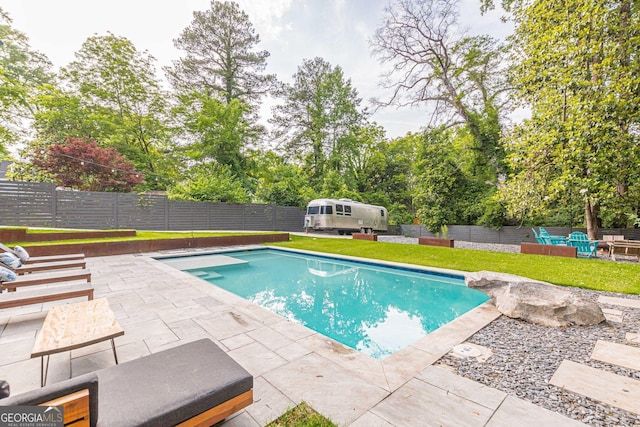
x: 291, y: 30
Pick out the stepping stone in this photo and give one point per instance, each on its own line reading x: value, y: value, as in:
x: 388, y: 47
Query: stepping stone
x: 612, y: 315
x: 616, y: 390
x: 617, y: 354
x: 631, y: 337
x: 624, y: 302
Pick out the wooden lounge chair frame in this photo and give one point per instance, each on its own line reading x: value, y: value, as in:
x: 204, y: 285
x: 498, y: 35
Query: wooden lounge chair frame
x: 55, y: 293
x: 45, y: 258
x: 77, y: 411
x: 45, y: 279
x: 48, y: 266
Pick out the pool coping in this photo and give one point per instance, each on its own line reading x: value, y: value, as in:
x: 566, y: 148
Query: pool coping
x: 393, y: 371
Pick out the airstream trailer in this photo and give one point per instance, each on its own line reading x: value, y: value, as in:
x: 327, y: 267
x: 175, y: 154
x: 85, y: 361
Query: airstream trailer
x: 345, y: 216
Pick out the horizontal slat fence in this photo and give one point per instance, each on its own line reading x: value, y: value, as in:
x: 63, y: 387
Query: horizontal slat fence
x: 41, y: 205
x: 509, y: 235
x: 35, y: 204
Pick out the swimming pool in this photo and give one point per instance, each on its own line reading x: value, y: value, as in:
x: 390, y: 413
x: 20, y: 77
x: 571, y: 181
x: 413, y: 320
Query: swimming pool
x: 369, y: 307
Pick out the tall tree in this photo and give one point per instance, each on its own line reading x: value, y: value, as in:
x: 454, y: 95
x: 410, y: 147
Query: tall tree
x: 460, y: 79
x: 221, y: 59
x: 113, y: 95
x: 320, y: 111
x: 22, y: 72
x: 579, y: 71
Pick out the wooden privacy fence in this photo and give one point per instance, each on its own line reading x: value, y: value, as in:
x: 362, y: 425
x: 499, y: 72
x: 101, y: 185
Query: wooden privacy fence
x: 41, y: 205
x: 509, y: 235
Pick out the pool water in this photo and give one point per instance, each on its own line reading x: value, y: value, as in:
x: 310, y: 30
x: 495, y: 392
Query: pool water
x: 374, y: 309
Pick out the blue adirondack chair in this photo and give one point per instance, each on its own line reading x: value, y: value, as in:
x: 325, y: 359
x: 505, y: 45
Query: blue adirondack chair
x: 539, y: 238
x: 552, y: 239
x: 584, y: 247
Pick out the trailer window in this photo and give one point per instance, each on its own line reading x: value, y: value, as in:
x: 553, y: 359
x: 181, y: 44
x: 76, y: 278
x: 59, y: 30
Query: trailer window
x: 347, y: 210
x: 326, y: 210
x: 382, y: 213
x: 338, y: 209
x: 312, y: 210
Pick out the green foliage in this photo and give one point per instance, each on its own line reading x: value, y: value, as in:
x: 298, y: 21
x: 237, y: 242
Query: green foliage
x: 114, y: 97
x: 282, y: 184
x: 577, y: 68
x: 316, y: 121
x: 22, y: 72
x: 220, y: 131
x: 210, y: 182
x: 443, y: 192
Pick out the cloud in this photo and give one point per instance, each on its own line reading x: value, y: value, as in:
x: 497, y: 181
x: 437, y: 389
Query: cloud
x: 267, y: 16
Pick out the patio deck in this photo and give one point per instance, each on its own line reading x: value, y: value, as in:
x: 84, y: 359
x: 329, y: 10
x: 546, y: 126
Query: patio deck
x: 160, y: 307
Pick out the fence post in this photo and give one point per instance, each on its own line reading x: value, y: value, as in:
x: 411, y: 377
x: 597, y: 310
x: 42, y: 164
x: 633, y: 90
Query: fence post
x: 54, y: 206
x: 115, y: 212
x: 274, y: 210
x: 166, y: 213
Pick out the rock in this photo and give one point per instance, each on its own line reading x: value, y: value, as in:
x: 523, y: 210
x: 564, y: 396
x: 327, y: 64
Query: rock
x: 534, y: 301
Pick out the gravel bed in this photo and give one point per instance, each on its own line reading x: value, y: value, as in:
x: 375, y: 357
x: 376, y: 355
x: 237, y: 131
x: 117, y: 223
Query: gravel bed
x: 525, y: 356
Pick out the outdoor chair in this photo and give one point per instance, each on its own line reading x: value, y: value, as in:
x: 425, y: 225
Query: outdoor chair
x: 585, y: 248
x: 539, y: 238
x: 192, y: 384
x: 26, y: 259
x: 47, y: 293
x: 552, y: 239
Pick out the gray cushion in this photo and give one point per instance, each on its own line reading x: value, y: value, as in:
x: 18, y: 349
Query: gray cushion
x: 170, y: 386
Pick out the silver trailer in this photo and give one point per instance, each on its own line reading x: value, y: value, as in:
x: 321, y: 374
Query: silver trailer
x: 345, y: 216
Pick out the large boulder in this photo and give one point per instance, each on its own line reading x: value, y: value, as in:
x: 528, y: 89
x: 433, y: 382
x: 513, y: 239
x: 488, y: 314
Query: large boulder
x: 535, y: 301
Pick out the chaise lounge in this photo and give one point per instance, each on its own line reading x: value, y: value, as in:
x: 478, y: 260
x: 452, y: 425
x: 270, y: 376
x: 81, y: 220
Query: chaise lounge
x: 189, y: 385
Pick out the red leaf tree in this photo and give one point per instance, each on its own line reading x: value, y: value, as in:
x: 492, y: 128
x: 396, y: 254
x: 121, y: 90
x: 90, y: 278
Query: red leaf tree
x: 83, y: 165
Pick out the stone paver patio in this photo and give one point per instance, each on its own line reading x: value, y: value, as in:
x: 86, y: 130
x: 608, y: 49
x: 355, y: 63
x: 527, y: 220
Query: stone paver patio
x: 160, y: 307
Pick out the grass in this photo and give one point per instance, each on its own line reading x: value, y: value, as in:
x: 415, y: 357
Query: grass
x: 302, y: 415
x: 583, y: 273
x: 140, y: 235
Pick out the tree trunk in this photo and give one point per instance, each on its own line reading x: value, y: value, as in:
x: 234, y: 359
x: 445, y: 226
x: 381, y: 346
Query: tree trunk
x: 591, y: 213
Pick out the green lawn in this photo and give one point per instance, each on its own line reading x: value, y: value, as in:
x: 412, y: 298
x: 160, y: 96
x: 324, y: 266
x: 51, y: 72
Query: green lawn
x: 583, y: 273
x: 140, y: 235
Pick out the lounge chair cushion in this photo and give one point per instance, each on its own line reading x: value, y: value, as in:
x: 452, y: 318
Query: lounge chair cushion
x: 10, y: 260
x: 21, y: 253
x: 170, y: 386
x: 6, y: 275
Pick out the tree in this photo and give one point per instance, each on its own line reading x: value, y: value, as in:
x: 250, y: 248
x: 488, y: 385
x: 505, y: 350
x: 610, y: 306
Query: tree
x: 221, y: 60
x: 112, y: 95
x: 220, y: 132
x: 577, y: 68
x: 443, y: 194
x: 210, y: 182
x: 320, y: 111
x: 281, y: 183
x: 22, y: 72
x: 461, y: 79
x: 83, y: 165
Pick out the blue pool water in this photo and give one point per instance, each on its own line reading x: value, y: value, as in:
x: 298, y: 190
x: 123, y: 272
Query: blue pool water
x: 374, y: 309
